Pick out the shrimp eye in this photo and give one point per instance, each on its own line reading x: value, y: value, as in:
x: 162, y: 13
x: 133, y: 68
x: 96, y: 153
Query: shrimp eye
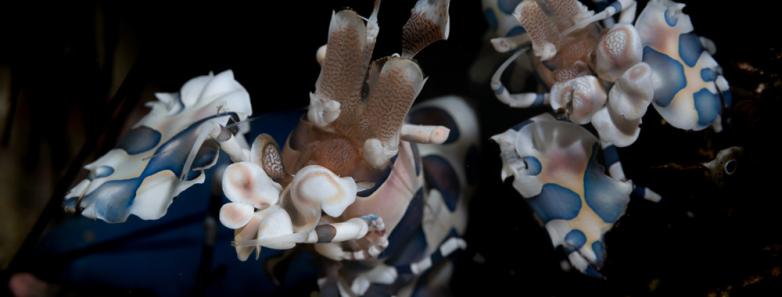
x: 730, y: 167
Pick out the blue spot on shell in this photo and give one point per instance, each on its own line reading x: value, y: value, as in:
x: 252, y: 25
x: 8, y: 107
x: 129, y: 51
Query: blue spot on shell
x: 139, y: 140
x: 669, y: 71
x: 440, y: 175
x: 533, y: 165
x: 113, y: 199
x: 555, y: 203
x: 669, y: 19
x: 101, y: 171
x: 727, y: 98
x: 611, y: 155
x: 406, y: 230
x: 690, y: 48
x: 600, y: 252
x: 574, y: 240
x: 515, y: 31
x: 707, y: 105
x: 603, y: 194
x: 207, y: 155
x: 508, y: 6
x: 491, y: 18
x: 708, y: 74
x: 591, y: 271
x: 431, y: 115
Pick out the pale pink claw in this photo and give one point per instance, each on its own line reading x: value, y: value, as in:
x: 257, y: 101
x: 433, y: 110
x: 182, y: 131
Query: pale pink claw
x: 246, y: 182
x: 236, y: 215
x: 316, y: 183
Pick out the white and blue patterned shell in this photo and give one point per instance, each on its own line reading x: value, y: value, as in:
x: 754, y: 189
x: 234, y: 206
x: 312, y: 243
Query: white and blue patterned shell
x: 143, y: 174
x: 690, y: 91
x: 557, y: 166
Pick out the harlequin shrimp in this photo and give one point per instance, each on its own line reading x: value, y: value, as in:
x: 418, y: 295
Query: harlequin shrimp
x: 381, y: 198
x: 608, y: 74
x: 560, y: 169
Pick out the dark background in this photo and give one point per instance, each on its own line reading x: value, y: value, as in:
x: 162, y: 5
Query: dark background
x: 77, y: 71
